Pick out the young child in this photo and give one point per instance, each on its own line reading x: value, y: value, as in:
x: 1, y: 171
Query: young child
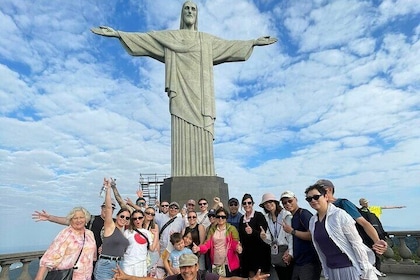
x: 179, y: 249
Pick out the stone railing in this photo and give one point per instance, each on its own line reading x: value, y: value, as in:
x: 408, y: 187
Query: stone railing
x: 26, y: 258
x: 404, y: 242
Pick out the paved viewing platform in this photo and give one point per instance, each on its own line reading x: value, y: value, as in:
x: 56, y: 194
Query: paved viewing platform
x: 400, y: 262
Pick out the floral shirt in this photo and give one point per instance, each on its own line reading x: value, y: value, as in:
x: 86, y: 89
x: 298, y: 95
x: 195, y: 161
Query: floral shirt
x: 65, y: 249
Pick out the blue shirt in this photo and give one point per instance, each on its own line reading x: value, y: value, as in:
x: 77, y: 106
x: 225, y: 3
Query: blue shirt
x: 303, y: 250
x: 348, y: 206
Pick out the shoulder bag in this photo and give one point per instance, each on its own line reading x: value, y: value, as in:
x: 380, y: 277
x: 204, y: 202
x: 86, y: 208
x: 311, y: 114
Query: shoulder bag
x: 64, y: 274
x: 277, y: 251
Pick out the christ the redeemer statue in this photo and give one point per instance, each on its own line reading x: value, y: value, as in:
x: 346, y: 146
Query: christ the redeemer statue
x: 189, y: 57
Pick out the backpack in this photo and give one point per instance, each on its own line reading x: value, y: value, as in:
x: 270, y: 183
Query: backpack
x: 371, y: 218
x: 374, y: 220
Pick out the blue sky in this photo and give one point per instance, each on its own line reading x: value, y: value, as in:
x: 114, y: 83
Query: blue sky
x: 336, y: 97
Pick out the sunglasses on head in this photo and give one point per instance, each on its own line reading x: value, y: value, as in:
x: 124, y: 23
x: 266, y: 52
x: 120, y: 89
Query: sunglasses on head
x: 137, y: 218
x: 221, y: 217
x: 315, y: 197
x: 247, y: 203
x: 125, y: 217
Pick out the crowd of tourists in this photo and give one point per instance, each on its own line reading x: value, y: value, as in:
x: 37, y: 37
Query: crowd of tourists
x: 283, y: 241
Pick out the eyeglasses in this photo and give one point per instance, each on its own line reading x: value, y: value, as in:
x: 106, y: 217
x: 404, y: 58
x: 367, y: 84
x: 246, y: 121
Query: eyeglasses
x: 166, y: 205
x: 202, y: 203
x: 192, y: 217
x: 174, y: 207
x: 137, y: 218
x: 247, y: 203
x: 287, y: 201
x: 233, y: 204
x: 190, y: 204
x: 221, y: 217
x: 125, y: 217
x: 149, y: 213
x: 315, y: 197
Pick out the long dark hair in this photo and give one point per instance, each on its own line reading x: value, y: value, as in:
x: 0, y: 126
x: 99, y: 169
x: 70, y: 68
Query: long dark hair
x: 152, y: 222
x: 132, y: 226
x: 278, y: 208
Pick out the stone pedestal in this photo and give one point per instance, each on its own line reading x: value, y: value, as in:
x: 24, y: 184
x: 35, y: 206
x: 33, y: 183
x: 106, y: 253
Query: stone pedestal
x: 180, y: 189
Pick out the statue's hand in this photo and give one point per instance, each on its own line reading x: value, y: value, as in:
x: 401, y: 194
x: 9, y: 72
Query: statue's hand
x: 105, y: 31
x: 266, y: 40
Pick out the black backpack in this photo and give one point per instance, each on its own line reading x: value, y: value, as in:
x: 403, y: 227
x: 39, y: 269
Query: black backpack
x: 374, y: 220
x: 371, y: 218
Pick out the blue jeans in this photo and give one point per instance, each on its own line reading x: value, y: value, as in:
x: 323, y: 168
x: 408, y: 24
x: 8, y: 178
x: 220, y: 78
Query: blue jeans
x: 103, y: 269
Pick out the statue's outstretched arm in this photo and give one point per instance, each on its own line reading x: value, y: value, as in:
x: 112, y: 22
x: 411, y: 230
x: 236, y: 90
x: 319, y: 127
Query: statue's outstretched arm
x: 105, y: 31
x: 266, y: 40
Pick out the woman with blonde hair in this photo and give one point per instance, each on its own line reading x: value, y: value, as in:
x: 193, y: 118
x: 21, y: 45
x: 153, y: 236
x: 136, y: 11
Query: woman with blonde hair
x: 74, y: 247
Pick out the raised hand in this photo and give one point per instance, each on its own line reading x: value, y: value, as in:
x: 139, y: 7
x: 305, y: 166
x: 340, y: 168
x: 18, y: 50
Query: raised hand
x: 286, y: 227
x: 195, y: 248
x: 263, y: 234
x: 139, y: 193
x: 40, y: 216
x: 239, y: 248
x: 248, y: 229
x: 129, y: 201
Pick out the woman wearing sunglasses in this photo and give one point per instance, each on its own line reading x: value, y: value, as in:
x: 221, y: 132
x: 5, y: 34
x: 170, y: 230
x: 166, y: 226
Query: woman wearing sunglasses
x: 198, y: 231
x: 223, y: 244
x: 140, y: 241
x: 114, y: 242
x: 337, y: 241
x: 256, y: 253
x: 150, y: 224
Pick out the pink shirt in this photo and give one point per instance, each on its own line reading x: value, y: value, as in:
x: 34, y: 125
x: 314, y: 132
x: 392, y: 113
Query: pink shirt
x: 219, y: 241
x: 65, y: 249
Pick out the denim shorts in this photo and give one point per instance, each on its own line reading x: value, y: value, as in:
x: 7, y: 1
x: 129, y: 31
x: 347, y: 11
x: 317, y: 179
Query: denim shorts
x: 103, y: 269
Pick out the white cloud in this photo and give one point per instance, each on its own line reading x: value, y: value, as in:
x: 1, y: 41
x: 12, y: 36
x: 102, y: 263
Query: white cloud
x: 337, y: 97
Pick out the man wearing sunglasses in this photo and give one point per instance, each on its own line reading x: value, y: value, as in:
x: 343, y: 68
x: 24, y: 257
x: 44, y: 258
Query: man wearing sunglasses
x: 234, y: 214
x: 164, y: 207
x: 306, y: 265
x: 379, y: 246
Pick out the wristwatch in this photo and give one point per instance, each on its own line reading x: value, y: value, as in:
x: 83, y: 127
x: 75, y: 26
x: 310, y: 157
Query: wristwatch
x: 293, y: 232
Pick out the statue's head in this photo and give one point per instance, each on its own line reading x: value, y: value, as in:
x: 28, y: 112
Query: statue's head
x: 189, y: 15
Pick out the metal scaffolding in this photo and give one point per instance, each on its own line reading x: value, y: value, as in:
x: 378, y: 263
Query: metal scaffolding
x: 150, y: 185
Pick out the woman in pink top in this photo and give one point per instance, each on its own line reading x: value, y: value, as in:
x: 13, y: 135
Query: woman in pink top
x: 224, y: 246
x: 67, y: 245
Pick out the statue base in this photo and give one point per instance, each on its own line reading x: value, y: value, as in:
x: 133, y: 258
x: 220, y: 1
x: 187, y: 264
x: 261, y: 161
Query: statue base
x: 181, y: 189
